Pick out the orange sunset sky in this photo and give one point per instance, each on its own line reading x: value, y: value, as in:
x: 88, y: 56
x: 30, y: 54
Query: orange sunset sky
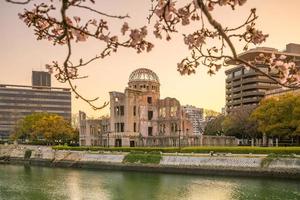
x: 20, y: 52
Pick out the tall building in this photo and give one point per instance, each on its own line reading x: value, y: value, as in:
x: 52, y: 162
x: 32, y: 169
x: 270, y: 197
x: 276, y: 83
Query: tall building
x: 195, y: 115
x: 17, y: 101
x: 247, y: 87
x: 41, y: 79
x: 282, y: 91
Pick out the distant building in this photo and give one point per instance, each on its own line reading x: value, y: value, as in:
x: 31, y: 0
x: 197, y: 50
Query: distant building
x: 138, y: 117
x: 223, y: 111
x: 17, y: 101
x: 41, y: 79
x: 247, y: 87
x: 195, y: 115
x: 92, y: 130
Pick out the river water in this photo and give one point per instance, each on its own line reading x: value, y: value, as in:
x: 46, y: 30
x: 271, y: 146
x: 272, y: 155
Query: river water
x: 38, y: 183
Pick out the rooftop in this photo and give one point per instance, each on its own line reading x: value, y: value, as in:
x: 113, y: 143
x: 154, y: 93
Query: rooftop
x: 143, y: 74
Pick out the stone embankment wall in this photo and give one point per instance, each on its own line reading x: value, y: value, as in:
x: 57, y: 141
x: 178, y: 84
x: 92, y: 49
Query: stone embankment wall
x: 245, y: 165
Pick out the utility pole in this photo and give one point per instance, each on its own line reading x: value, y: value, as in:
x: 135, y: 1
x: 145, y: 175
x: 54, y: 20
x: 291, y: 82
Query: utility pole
x: 179, y: 138
x: 108, y: 139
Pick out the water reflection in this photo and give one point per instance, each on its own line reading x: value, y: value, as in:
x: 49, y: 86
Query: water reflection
x: 17, y: 182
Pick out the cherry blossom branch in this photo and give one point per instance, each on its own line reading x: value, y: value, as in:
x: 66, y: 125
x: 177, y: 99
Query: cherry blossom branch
x: 102, y: 13
x: 169, y: 16
x: 18, y: 2
x: 64, y: 31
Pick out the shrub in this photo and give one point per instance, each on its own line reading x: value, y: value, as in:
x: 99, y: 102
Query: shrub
x: 200, y: 149
x: 145, y: 158
x: 27, y: 154
x: 271, y: 157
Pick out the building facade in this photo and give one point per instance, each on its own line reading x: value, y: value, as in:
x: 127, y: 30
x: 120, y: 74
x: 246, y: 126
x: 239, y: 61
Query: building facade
x: 246, y: 87
x: 92, y: 130
x: 41, y: 79
x: 138, y: 117
x: 195, y: 115
x: 17, y: 101
x: 282, y: 91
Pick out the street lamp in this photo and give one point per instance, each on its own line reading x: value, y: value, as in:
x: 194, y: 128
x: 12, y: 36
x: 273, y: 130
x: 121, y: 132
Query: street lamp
x: 179, y: 130
x: 108, y: 139
x: 99, y: 136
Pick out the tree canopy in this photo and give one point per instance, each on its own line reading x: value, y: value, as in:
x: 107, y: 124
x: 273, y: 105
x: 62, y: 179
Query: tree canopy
x: 47, y: 127
x: 214, y: 126
x: 237, y: 123
x: 279, y: 116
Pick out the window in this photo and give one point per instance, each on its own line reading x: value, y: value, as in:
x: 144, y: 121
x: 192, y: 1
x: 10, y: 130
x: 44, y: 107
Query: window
x: 149, y: 100
x: 122, y: 110
x: 162, y: 112
x: 174, y: 127
x: 116, y: 110
x: 91, y: 130
x: 134, y: 127
x: 121, y: 127
x: 116, y: 99
x: 119, y: 110
x: 173, y: 111
x: 150, y: 131
x: 162, y: 128
x: 150, y: 115
x: 134, y: 110
x: 117, y: 127
x: 237, y: 73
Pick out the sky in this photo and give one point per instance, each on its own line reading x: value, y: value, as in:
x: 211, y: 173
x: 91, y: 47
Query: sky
x: 20, y: 52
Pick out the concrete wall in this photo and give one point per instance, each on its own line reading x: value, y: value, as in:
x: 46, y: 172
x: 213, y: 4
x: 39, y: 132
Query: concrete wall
x: 250, y: 165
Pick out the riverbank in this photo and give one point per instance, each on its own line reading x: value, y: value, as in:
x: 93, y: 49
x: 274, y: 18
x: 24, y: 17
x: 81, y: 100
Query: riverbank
x: 219, y: 164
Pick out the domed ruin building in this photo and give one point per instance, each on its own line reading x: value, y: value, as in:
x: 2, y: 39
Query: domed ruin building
x: 138, y: 117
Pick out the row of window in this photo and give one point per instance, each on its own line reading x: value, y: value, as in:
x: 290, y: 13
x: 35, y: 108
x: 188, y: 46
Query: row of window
x: 174, y: 128
x: 145, y: 86
x: 246, y: 71
x: 173, y: 111
x: 119, y: 110
x: 119, y: 127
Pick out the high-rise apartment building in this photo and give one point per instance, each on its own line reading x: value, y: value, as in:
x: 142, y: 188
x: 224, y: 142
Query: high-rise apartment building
x: 247, y: 87
x: 17, y: 101
x: 195, y: 115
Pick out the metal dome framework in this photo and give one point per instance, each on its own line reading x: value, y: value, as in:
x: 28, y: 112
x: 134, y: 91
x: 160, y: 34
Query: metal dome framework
x: 143, y: 74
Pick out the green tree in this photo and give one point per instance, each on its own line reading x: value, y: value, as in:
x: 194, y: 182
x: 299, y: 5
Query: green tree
x: 237, y: 123
x: 44, y: 126
x: 279, y: 116
x: 214, y: 126
x: 25, y: 126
